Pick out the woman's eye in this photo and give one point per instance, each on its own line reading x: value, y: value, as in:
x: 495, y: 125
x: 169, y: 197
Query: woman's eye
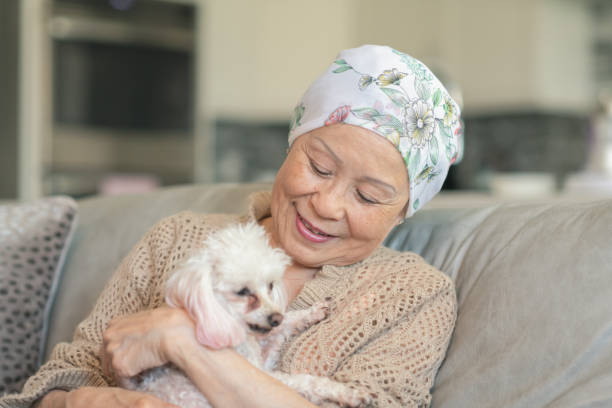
x: 319, y: 170
x: 366, y: 199
x: 270, y: 286
x: 243, y: 292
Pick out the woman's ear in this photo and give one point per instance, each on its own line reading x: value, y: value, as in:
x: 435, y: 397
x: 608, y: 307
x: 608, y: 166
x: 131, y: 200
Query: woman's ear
x: 401, y: 217
x: 191, y: 288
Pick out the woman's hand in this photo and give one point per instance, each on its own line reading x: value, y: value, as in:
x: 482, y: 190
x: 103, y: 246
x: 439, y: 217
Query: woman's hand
x: 134, y: 343
x: 101, y: 397
x: 152, y: 338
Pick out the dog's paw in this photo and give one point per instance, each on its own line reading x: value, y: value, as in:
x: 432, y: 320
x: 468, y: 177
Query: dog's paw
x: 129, y: 383
x: 319, y: 311
x: 356, y: 398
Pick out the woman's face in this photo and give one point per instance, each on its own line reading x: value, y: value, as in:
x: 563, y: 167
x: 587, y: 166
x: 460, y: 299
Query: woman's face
x: 339, y: 192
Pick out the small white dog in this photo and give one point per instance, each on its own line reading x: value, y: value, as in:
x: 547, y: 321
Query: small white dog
x: 234, y: 292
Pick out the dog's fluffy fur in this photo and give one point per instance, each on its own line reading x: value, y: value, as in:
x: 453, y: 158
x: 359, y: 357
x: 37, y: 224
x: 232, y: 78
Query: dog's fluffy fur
x: 234, y: 292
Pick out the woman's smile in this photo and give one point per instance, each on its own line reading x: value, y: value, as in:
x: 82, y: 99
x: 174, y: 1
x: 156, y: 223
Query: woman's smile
x: 310, y: 232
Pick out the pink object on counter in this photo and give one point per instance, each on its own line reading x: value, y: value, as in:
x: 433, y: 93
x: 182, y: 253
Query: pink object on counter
x: 114, y: 184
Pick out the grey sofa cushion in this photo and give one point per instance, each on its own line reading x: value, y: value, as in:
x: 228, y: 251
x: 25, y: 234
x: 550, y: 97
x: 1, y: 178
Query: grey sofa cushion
x: 534, y: 285
x: 33, y: 239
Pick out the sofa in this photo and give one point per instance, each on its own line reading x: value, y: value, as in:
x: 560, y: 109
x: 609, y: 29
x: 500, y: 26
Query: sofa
x: 533, y: 281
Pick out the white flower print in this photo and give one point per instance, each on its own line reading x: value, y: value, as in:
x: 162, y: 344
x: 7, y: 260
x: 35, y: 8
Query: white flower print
x: 419, y: 123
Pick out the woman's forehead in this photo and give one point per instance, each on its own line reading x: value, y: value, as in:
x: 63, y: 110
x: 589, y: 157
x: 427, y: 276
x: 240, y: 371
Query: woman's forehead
x: 356, y: 140
x: 363, y: 150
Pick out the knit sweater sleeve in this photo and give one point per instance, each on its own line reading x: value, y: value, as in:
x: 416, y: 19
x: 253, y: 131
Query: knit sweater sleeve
x: 398, y: 367
x: 77, y: 364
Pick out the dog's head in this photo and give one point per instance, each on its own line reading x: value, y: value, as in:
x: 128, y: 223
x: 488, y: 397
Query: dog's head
x: 232, y: 287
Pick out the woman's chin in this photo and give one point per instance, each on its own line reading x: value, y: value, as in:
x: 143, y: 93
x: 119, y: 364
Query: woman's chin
x: 307, y: 257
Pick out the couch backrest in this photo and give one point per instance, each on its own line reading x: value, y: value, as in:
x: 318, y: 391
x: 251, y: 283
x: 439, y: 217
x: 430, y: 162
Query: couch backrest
x: 534, y: 285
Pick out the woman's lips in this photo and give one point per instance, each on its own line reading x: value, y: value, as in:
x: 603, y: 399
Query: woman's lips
x: 309, y: 232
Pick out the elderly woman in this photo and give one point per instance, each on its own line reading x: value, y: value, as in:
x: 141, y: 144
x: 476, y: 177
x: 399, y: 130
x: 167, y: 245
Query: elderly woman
x: 370, y: 143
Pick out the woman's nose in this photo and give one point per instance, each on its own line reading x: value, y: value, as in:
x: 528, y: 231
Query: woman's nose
x: 328, y: 202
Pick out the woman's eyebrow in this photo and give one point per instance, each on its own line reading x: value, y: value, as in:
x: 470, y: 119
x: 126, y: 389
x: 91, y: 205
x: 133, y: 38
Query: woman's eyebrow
x: 329, y: 150
x: 387, y: 186
x: 374, y: 180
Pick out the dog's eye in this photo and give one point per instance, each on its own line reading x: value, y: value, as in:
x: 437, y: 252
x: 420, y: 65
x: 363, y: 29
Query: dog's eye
x: 243, y: 292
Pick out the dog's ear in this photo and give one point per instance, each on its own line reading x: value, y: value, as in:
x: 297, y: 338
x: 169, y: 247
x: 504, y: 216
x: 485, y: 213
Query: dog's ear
x: 191, y: 287
x: 279, y: 296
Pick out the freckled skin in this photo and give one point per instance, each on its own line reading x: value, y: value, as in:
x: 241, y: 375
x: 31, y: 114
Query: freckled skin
x: 345, y: 181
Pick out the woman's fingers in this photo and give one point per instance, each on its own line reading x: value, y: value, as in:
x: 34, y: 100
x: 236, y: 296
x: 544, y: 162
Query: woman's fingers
x: 131, y: 343
x: 134, y: 343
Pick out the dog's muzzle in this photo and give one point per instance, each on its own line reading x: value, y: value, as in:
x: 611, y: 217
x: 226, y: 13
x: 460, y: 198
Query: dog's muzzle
x: 274, y: 320
x: 259, y: 329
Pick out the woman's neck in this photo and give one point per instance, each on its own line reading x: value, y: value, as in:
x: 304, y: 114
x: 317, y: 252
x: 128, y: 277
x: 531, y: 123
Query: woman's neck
x: 295, y: 278
x: 296, y: 275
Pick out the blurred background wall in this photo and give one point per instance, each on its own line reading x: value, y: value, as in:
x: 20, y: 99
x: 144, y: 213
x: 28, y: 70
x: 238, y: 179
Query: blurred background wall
x: 8, y: 98
x: 127, y: 95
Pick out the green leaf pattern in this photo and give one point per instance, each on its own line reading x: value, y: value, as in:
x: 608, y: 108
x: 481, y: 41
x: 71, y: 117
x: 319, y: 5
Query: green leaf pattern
x: 414, y: 161
x: 296, y: 118
x: 437, y: 97
x: 388, y: 120
x: 422, y: 89
x: 433, y: 150
x: 396, y: 96
x: 365, y: 113
x: 416, y: 66
x: 342, y: 68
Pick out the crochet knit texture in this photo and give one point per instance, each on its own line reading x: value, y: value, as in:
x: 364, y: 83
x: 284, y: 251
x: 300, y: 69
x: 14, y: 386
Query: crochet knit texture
x: 390, y: 322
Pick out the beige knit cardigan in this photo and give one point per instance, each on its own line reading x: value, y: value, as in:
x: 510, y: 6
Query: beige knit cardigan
x: 391, y: 317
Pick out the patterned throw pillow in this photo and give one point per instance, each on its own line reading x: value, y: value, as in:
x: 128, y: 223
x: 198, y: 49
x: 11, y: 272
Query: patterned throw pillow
x: 34, y: 238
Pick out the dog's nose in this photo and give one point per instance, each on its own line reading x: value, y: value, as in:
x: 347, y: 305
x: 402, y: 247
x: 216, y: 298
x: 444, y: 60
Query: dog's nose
x: 275, y: 319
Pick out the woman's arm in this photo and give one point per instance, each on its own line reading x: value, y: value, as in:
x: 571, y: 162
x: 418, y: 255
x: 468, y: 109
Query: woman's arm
x: 151, y: 338
x: 228, y: 380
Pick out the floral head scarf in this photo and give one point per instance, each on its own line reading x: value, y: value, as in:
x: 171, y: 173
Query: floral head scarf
x: 397, y: 97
